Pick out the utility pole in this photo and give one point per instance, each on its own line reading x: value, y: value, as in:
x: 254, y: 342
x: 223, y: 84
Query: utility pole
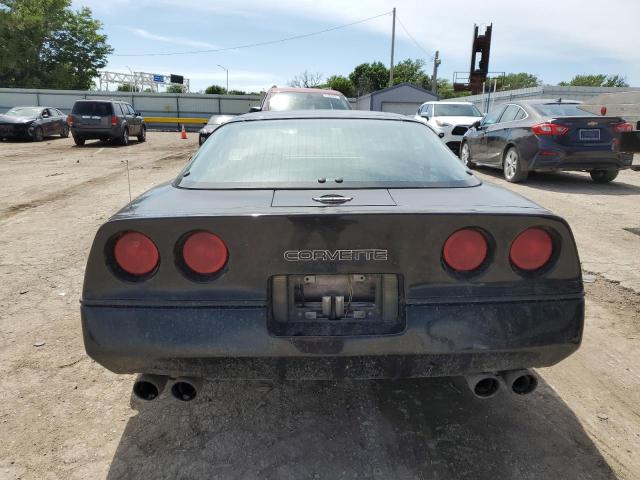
x: 434, y: 78
x: 393, y: 41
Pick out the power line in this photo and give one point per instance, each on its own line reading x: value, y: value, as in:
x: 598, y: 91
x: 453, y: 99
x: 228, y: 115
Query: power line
x: 251, y: 45
x: 411, y: 37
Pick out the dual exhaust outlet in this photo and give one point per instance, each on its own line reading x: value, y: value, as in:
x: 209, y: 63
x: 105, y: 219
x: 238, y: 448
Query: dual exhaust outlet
x: 148, y: 387
x: 486, y: 385
x: 483, y: 385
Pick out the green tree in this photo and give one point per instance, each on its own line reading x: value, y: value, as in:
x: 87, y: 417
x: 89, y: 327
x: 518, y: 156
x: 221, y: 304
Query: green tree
x: 214, y: 89
x: 44, y: 43
x: 237, y: 92
x: 127, y: 87
x: 513, y: 81
x: 369, y: 77
x: 175, y: 89
x: 410, y: 71
x: 341, y: 84
x: 596, y: 80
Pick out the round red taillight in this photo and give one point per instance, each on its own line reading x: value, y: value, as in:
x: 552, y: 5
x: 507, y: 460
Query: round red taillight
x: 532, y: 249
x: 465, y: 250
x: 204, y: 253
x: 136, y: 254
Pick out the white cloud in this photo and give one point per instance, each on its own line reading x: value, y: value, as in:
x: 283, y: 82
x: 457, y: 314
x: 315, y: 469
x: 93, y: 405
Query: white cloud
x: 142, y: 33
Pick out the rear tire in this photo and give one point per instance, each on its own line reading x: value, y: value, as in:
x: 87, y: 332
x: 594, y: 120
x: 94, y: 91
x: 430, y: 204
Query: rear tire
x: 512, y: 167
x: 143, y: 134
x: 38, y: 134
x: 64, y: 133
x: 465, y: 156
x: 124, y: 138
x: 603, y: 176
x: 78, y: 140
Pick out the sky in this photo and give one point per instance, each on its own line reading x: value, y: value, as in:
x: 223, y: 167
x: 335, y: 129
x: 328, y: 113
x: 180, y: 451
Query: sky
x: 554, y: 40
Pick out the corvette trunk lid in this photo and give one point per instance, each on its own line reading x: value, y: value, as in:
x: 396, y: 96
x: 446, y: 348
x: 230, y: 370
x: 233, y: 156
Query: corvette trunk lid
x: 324, y: 197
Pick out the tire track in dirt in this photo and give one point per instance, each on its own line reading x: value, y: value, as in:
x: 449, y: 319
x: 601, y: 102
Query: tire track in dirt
x: 67, y: 192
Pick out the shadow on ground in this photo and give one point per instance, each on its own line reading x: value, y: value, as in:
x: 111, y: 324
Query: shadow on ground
x: 568, y: 182
x: 409, y: 429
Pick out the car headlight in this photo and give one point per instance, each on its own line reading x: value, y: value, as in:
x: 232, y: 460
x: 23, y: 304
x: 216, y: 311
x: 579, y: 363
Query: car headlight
x: 442, y: 124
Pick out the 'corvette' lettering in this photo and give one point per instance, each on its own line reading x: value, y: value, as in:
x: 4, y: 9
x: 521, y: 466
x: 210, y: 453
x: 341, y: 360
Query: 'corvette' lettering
x: 366, y: 255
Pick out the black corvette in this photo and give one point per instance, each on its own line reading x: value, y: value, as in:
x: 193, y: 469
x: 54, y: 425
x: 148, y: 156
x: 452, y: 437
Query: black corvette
x: 328, y: 244
x: 33, y: 123
x: 547, y: 136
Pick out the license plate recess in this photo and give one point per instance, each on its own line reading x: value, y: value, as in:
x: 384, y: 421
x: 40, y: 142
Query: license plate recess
x: 341, y: 304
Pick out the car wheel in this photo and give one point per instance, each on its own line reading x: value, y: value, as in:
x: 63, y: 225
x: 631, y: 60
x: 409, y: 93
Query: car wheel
x: 465, y: 156
x: 512, y: 167
x: 78, y: 140
x: 603, y: 176
x: 143, y: 134
x: 124, y: 139
x: 64, y: 133
x: 38, y: 134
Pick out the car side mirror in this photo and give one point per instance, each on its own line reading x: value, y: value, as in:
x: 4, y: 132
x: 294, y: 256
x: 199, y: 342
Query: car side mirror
x: 475, y: 124
x: 138, y: 114
x: 425, y: 116
x: 255, y: 109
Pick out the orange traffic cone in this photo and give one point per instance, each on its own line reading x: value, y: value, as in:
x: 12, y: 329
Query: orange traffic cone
x: 183, y: 134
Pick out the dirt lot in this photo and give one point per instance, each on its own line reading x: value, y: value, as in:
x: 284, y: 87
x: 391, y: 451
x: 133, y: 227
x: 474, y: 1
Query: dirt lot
x: 64, y: 417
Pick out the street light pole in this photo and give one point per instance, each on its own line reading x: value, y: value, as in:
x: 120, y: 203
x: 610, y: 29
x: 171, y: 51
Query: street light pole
x: 227, y: 77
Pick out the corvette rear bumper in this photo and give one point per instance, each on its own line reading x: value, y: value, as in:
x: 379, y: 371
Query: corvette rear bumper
x: 439, y: 340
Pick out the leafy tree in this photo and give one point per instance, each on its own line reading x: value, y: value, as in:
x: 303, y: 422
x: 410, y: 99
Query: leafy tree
x: 369, y: 77
x: 341, y: 84
x: 596, y: 80
x: 410, y: 71
x: 513, y: 81
x: 44, y: 43
x: 175, y: 89
x: 214, y: 89
x: 237, y: 92
x: 127, y: 87
x: 306, y: 79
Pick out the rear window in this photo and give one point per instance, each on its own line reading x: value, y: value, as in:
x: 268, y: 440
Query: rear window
x: 453, y: 110
x: 562, y: 110
x: 313, y: 153
x: 100, y: 109
x: 307, y: 101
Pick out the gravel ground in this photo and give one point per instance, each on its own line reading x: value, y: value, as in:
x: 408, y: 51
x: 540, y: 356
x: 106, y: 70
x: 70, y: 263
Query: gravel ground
x: 64, y: 417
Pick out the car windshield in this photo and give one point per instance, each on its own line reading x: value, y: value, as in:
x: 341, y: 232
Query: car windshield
x: 307, y: 101
x: 562, y: 110
x: 24, y: 112
x: 314, y: 152
x: 455, y: 110
x: 92, y: 108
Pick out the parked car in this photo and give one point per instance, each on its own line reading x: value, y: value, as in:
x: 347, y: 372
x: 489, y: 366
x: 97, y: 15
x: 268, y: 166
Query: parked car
x: 450, y: 120
x: 289, y: 98
x: 214, y: 122
x: 329, y: 244
x: 34, y: 123
x: 106, y: 120
x: 547, y: 136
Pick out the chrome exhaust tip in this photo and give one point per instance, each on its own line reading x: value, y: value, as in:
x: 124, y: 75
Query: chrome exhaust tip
x: 186, y: 389
x: 148, y: 387
x: 521, y: 382
x: 483, y: 385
